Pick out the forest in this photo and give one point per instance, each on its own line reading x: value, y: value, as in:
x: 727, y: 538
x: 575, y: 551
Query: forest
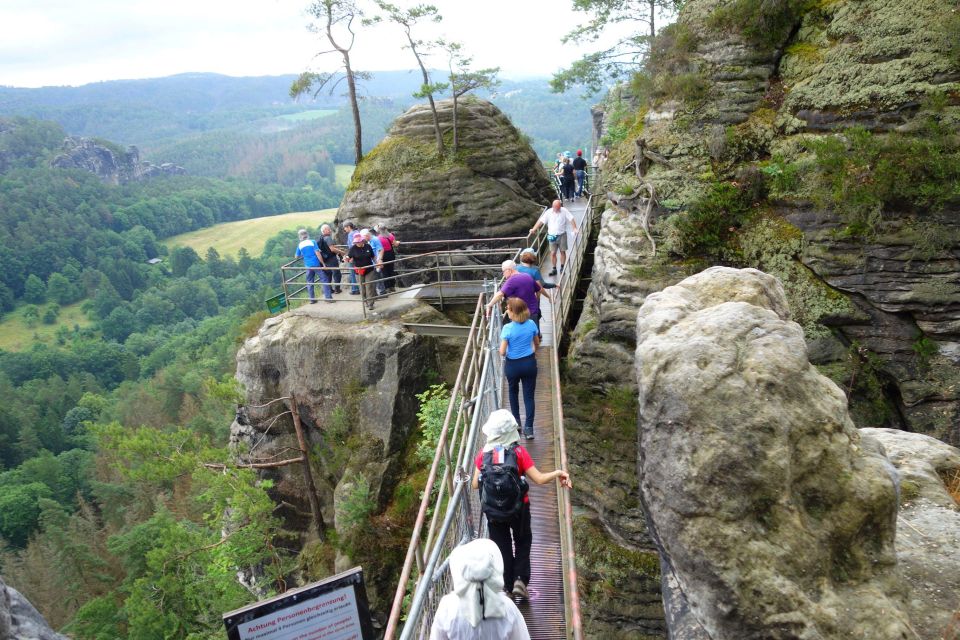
x: 111, y: 515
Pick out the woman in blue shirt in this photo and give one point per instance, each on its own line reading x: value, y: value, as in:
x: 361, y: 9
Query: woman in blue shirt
x: 519, y: 340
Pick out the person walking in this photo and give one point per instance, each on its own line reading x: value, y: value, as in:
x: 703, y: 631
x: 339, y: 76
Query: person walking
x: 519, y: 285
x: 580, y: 170
x: 528, y: 265
x: 567, y: 180
x: 330, y: 256
x: 361, y: 257
x: 308, y: 250
x: 477, y: 608
x: 351, y: 230
x: 519, y: 340
x: 504, y: 457
x: 556, y: 217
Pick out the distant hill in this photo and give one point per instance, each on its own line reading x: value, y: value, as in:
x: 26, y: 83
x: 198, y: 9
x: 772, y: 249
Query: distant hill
x: 157, y: 113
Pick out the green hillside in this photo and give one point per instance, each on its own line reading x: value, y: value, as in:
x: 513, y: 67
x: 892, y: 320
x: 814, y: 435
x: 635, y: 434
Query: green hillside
x: 228, y: 238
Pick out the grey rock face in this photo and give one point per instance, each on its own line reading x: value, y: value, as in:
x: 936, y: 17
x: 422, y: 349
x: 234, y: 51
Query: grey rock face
x: 354, y: 382
x: 493, y: 187
x: 773, y: 519
x: 928, y: 527
x: 19, y: 620
x: 111, y: 165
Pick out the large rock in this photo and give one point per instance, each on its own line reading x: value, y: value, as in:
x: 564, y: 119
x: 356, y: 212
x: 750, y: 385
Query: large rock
x: 772, y: 519
x: 928, y: 527
x: 493, y: 187
x: 19, y: 620
x: 109, y: 162
x: 355, y: 383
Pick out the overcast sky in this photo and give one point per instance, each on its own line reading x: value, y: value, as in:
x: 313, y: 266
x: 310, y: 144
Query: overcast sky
x: 73, y: 42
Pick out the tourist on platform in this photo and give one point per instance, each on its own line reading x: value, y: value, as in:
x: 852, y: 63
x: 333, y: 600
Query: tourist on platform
x: 361, y: 257
x: 377, y: 260
x: 519, y: 340
x: 580, y: 170
x: 556, y: 218
x: 513, y: 537
x: 330, y: 256
x: 389, y: 242
x: 308, y: 250
x: 518, y: 285
x: 477, y: 608
x: 351, y: 230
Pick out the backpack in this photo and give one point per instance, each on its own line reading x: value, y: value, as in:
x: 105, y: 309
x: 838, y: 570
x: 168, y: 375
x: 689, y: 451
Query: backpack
x: 501, y: 487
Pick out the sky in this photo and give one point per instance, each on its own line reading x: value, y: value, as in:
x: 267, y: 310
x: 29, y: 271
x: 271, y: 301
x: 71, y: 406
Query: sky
x: 71, y: 42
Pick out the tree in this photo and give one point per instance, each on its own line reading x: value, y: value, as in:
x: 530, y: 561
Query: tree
x: 463, y: 80
x: 34, y: 290
x: 333, y: 16
x: 181, y: 259
x: 625, y: 56
x: 407, y: 19
x: 61, y: 290
x: 51, y: 314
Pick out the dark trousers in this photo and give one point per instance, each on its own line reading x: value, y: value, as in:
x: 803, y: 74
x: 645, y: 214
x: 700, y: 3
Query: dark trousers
x: 334, y: 276
x: 568, y: 184
x: 522, y: 370
x: 390, y: 282
x: 515, y: 552
x: 312, y: 276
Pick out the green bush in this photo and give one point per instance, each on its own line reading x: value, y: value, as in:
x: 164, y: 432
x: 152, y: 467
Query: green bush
x: 762, y: 22
x: 709, y: 225
x: 860, y: 173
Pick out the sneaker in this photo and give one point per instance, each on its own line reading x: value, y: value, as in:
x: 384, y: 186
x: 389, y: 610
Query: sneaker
x: 338, y: 290
x: 354, y: 293
x: 561, y: 268
x: 528, y: 436
x: 370, y: 306
x: 520, y: 589
x: 553, y: 272
x: 313, y: 302
x: 329, y: 300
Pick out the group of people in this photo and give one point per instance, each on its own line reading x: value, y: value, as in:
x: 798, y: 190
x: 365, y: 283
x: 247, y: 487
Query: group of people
x: 571, y: 175
x: 369, y: 258
x: 486, y: 573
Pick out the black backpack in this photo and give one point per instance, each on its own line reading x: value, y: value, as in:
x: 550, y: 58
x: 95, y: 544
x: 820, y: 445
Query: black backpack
x: 501, y: 487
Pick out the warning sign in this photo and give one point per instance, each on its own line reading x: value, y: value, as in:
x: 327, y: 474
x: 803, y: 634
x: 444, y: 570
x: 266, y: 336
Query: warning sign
x: 332, y: 609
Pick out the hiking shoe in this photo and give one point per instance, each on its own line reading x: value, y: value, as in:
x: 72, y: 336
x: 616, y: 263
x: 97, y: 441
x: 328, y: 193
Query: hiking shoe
x: 553, y: 272
x: 528, y: 436
x: 520, y: 589
x: 338, y: 290
x: 329, y: 300
x: 561, y: 268
x: 354, y: 293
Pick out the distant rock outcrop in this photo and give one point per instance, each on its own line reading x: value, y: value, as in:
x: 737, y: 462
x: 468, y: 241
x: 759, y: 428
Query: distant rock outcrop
x: 773, y: 519
x: 19, y: 620
x: 109, y: 162
x: 492, y: 187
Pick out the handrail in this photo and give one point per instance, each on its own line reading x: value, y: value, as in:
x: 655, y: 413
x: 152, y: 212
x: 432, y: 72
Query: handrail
x: 475, y: 393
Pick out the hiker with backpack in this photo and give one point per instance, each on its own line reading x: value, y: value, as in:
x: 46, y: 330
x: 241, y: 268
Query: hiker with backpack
x: 477, y: 608
x: 503, y: 466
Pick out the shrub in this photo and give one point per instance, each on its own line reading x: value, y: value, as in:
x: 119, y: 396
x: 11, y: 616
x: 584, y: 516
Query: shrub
x: 708, y: 226
x: 763, y: 22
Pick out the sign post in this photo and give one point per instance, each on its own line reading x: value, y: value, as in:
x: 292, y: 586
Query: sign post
x: 335, y: 608
x: 277, y: 303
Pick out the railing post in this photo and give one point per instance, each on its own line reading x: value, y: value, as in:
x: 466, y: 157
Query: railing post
x: 439, y: 279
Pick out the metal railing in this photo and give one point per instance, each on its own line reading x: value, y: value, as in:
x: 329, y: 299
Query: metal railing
x: 477, y: 392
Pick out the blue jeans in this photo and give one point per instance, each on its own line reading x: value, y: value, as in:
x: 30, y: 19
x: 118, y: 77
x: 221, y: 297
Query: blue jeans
x: 312, y: 275
x: 581, y: 177
x: 354, y: 288
x: 522, y: 370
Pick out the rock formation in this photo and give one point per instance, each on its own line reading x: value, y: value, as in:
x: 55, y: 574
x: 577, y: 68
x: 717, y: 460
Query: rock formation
x: 19, y: 620
x: 492, y: 187
x: 110, y: 163
x: 772, y: 517
x: 928, y: 527
x: 355, y: 383
x: 735, y: 99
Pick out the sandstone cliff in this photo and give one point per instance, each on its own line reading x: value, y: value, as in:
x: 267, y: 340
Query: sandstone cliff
x: 816, y: 141
x: 775, y: 517
x: 492, y: 187
x: 19, y: 620
x: 110, y: 163
x: 355, y: 384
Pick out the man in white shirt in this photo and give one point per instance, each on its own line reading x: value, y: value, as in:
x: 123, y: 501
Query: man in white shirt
x: 556, y: 219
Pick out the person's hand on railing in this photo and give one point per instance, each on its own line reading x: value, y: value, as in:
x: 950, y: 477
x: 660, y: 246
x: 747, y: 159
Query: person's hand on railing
x: 565, y: 481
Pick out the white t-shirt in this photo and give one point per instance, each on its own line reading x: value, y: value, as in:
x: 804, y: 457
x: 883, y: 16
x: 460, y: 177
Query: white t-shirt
x: 447, y: 626
x: 556, y: 222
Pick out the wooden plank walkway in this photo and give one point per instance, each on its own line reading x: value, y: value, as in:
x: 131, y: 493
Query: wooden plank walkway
x: 544, y: 612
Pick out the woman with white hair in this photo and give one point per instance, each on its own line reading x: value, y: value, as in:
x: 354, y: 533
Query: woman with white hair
x: 510, y: 527
x: 477, y: 609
